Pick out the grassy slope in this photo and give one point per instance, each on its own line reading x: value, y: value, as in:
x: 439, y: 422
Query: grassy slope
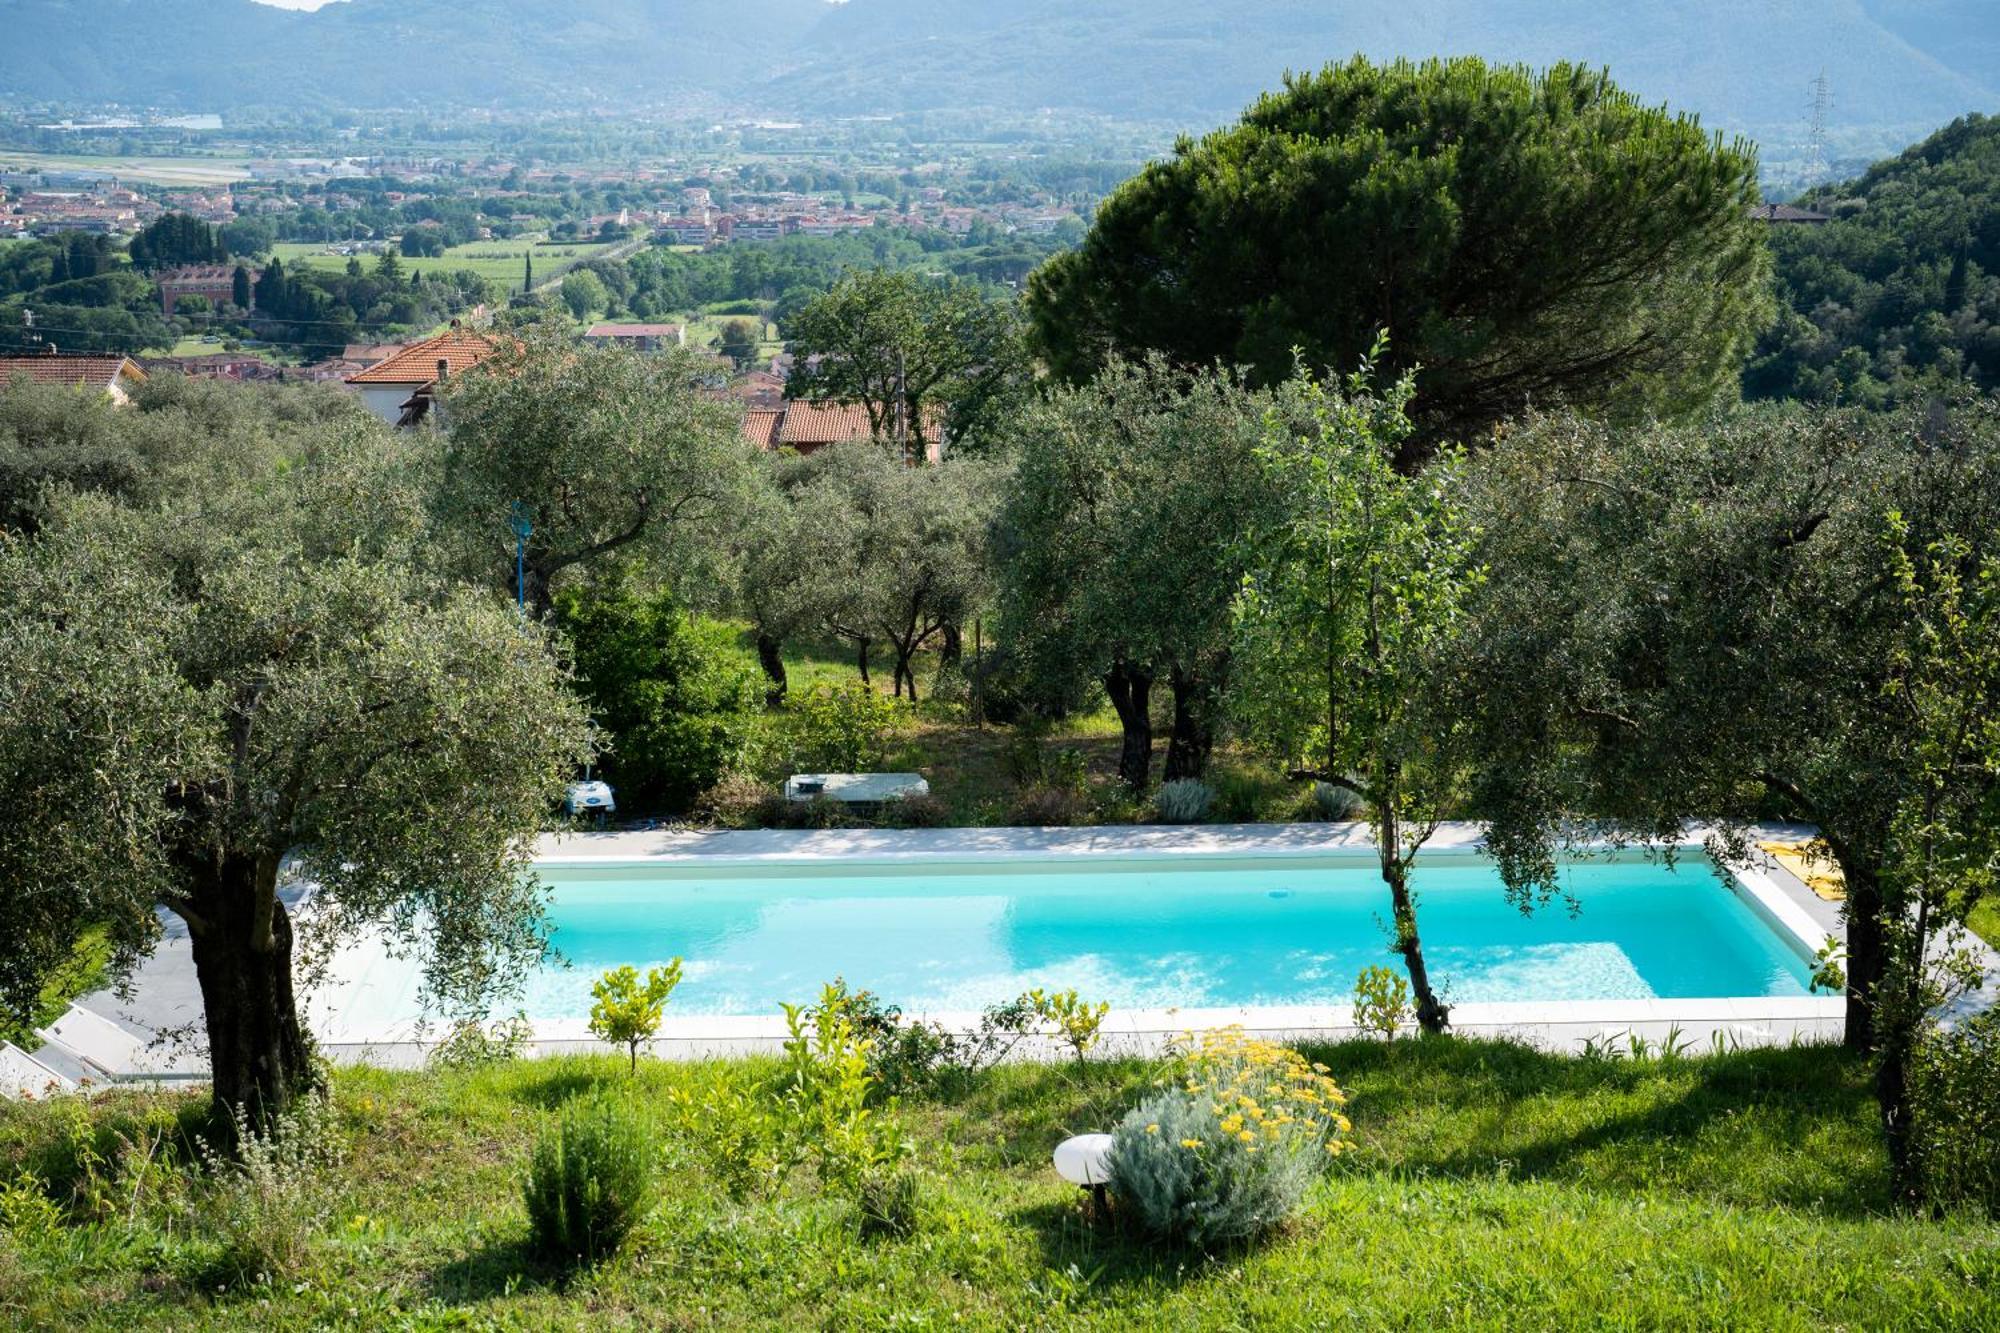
x: 1492, y: 1188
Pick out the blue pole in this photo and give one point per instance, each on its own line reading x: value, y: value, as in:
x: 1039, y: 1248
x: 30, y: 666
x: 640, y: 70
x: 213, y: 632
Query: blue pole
x: 521, y: 574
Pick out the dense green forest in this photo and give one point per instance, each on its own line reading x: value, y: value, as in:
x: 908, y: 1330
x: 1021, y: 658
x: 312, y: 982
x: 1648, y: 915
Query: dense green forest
x: 1899, y: 296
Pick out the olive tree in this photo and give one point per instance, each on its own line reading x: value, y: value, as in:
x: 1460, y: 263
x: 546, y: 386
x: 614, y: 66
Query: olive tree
x: 1348, y: 619
x: 198, y: 702
x: 1783, y: 613
x: 1521, y: 237
x: 898, y: 553
x: 1121, y: 544
x: 595, y: 450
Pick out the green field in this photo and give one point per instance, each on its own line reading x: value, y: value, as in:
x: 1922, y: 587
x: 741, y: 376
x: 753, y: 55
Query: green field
x: 192, y: 172
x: 1488, y: 1187
x: 499, y: 262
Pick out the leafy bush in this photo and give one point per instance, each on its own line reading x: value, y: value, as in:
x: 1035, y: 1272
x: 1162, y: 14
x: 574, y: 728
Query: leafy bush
x: 1381, y: 1001
x: 473, y: 1043
x: 1955, y: 1127
x: 827, y: 1093
x: 736, y: 800
x: 265, y: 1202
x: 843, y: 729
x: 1077, y: 1022
x: 902, y: 1057
x: 1228, y: 1147
x: 1183, y: 801
x: 627, y: 1010
x: 589, y: 1180
x: 678, y: 698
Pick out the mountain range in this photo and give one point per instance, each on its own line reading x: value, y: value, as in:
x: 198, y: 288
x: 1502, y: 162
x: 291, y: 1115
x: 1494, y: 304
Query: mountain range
x: 1894, y: 67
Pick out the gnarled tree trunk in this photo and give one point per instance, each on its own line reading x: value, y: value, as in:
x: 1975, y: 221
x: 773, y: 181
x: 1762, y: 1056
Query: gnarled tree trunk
x: 258, y: 1055
x: 1131, y: 691
x: 1197, y: 707
x: 772, y: 659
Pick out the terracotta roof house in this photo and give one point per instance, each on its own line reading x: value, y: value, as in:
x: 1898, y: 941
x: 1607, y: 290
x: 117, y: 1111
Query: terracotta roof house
x: 367, y: 354
x: 806, y: 426
x: 399, y: 388
x: 639, y: 337
x: 113, y: 375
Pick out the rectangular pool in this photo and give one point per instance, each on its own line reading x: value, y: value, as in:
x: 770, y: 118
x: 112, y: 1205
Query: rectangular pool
x: 1142, y: 933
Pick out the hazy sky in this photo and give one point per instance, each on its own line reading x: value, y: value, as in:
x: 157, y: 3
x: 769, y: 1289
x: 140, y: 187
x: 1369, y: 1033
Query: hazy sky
x: 296, y: 4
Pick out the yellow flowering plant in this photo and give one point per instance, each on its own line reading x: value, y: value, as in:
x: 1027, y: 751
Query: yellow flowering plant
x: 1230, y: 1141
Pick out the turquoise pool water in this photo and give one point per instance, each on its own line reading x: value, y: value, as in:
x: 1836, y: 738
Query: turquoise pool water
x: 1192, y: 932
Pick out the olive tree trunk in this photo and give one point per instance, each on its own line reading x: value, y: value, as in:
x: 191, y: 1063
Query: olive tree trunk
x: 771, y: 658
x: 1197, y: 709
x: 1131, y: 691
x: 258, y: 1055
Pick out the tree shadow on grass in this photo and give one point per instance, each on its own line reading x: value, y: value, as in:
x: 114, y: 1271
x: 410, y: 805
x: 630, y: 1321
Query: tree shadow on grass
x: 497, y: 1268
x: 1773, y: 1114
x: 1113, y: 1255
x: 561, y: 1081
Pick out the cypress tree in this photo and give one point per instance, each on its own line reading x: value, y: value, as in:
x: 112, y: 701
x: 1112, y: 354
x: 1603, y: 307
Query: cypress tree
x: 239, y: 287
x: 527, y: 275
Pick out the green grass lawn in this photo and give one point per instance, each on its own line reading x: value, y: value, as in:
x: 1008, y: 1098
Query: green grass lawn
x: 1490, y: 1187
x: 1985, y: 921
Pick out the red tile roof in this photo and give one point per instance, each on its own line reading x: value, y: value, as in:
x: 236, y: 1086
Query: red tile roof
x: 814, y: 424
x: 634, y: 331
x: 760, y: 426
x: 417, y: 363
x: 94, y: 371
x: 806, y: 426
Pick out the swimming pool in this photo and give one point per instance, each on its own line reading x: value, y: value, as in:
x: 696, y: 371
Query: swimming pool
x: 1141, y: 933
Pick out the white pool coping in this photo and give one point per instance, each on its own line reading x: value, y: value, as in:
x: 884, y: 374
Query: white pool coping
x: 1560, y: 1025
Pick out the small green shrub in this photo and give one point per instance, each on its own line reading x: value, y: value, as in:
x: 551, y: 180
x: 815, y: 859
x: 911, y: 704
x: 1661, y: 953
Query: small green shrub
x: 1183, y: 801
x: 1335, y: 803
x: 589, y: 1180
x: 829, y: 1109
x: 902, y: 1056
x: 889, y: 1203
x: 627, y: 1010
x: 1381, y: 1002
x: 1077, y: 1022
x: 843, y: 729
x: 1227, y: 1149
x: 474, y: 1044
x: 1246, y: 797
x: 1955, y: 1124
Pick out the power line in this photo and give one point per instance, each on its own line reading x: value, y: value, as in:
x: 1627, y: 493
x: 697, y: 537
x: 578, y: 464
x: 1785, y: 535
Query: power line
x: 1822, y: 102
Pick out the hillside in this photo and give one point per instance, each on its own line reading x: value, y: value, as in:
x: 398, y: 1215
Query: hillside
x: 1490, y: 1187
x: 1899, y: 295
x: 1897, y: 67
